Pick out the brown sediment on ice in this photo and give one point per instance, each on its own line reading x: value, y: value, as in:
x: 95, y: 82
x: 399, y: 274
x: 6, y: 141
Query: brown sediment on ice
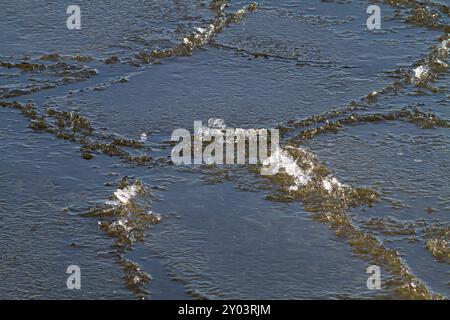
x: 51, y: 75
x: 320, y: 118
x: 438, y: 241
x: 425, y: 14
x: 25, y: 66
x: 428, y: 15
x: 127, y: 214
x: 421, y: 119
x: 70, y: 73
x: 26, y: 89
x: 54, y: 64
x: 112, y: 60
x: 434, y: 64
x: 74, y: 127
x: 200, y: 36
x: 60, y: 71
x: 388, y: 226
x: 126, y: 217
x: 219, y: 6
x: 328, y: 200
x: 424, y: 72
x: 303, y: 178
x: 134, y: 277
x: 435, y: 236
x: 55, y: 57
x: 421, y: 75
x: 50, y: 57
x: 440, y: 249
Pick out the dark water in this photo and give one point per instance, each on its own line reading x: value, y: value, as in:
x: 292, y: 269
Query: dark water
x: 353, y: 100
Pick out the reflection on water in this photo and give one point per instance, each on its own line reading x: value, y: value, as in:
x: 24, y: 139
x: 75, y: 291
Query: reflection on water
x: 363, y: 115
